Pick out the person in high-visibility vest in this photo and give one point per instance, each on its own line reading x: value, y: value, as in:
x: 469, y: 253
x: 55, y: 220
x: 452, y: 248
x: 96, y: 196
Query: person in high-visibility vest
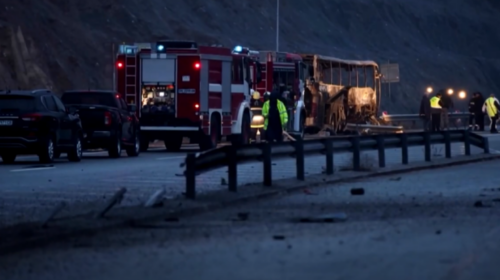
x: 436, y: 112
x: 492, y: 107
x: 275, y: 118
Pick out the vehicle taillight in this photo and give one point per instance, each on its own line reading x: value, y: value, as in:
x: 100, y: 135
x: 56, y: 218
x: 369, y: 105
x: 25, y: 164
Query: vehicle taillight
x: 31, y: 117
x: 196, y: 106
x: 119, y: 64
x: 107, y: 118
x: 197, y: 65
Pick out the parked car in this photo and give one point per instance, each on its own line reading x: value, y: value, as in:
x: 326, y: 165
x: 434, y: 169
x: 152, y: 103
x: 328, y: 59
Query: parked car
x: 36, y: 122
x: 108, y: 122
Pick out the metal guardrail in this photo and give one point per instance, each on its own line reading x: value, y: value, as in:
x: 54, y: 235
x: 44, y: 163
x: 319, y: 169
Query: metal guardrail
x: 415, y: 121
x: 231, y: 156
x: 417, y: 117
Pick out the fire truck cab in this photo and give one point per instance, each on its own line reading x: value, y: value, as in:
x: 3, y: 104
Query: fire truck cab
x: 182, y: 89
x: 283, y: 72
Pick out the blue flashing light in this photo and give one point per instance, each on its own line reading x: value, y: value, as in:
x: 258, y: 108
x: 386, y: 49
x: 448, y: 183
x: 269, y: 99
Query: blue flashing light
x: 160, y: 48
x: 238, y: 49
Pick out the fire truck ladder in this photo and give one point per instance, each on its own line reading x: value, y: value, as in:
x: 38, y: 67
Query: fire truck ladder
x: 130, y: 65
x: 131, y: 78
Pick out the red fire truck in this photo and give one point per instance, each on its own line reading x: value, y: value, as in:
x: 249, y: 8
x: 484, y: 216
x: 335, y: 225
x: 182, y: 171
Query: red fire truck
x: 281, y: 71
x: 182, y: 89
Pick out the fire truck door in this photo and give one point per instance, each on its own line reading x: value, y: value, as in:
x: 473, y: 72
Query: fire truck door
x: 226, y: 88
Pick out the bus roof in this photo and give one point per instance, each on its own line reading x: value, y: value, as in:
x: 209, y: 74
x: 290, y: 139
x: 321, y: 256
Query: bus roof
x: 341, y: 61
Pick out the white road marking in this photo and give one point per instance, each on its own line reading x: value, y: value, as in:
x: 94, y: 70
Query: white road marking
x: 173, y: 157
x: 32, y: 169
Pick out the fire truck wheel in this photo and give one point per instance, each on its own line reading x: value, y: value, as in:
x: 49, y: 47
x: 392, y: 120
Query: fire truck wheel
x: 246, y: 130
x: 173, y: 143
x: 302, y: 124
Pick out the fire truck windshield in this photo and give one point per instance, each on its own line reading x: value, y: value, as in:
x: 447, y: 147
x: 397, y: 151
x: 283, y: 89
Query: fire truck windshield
x: 158, y: 99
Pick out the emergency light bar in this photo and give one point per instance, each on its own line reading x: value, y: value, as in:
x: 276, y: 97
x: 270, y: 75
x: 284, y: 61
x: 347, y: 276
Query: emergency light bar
x: 162, y: 46
x: 244, y: 50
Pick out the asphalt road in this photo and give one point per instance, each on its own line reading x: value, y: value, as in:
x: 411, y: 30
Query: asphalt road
x: 29, y: 191
x: 418, y: 226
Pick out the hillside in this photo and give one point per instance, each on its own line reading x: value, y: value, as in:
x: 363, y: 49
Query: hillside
x: 68, y: 43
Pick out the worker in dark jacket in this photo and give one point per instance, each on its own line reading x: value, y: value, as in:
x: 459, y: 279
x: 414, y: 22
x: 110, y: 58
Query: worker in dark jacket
x: 476, y: 118
x: 479, y: 115
x: 425, y: 111
x: 446, y: 106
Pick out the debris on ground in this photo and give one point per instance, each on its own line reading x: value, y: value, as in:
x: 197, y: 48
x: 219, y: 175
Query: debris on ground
x: 243, y: 216
x: 357, y: 191
x: 309, y: 192
x: 326, y: 218
x: 438, y: 232
x: 480, y: 204
x: 278, y: 237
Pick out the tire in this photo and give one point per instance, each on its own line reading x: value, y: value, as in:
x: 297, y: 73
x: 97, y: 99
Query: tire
x: 8, y: 157
x: 246, y: 131
x: 47, y: 151
x: 115, y: 147
x: 144, y: 144
x: 173, y: 143
x: 76, y: 152
x: 302, y: 124
x: 210, y: 141
x: 134, y: 150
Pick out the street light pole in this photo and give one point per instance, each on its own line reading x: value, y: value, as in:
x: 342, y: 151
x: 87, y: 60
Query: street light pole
x: 277, y: 25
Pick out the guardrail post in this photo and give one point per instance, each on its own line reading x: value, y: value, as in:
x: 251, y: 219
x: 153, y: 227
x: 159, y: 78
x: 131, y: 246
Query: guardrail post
x: 447, y: 144
x: 381, y: 150
x: 329, y: 156
x: 404, y: 148
x: 190, y: 174
x: 467, y: 142
x: 356, y: 154
x: 299, y: 157
x: 232, y: 169
x: 427, y: 146
x: 486, y: 145
x: 268, y: 175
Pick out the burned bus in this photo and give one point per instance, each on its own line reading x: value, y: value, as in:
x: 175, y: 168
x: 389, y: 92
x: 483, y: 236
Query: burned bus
x: 339, y: 92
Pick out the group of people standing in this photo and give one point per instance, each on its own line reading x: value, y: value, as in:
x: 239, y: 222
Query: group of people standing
x: 435, y: 110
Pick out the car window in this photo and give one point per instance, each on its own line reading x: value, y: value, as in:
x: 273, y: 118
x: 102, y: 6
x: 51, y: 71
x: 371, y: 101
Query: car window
x: 49, y: 102
x: 17, y: 103
x: 89, y: 98
x: 124, y: 105
x: 59, y: 104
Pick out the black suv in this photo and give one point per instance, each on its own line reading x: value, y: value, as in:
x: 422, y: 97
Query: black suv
x: 36, y: 122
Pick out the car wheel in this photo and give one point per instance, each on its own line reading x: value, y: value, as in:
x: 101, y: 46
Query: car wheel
x: 8, y: 157
x: 135, y: 149
x: 115, y: 147
x: 144, y: 144
x: 47, y: 151
x: 76, y: 152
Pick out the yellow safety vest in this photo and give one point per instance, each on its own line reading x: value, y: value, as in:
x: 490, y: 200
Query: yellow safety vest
x: 490, y: 107
x: 281, y: 110
x: 435, y: 102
